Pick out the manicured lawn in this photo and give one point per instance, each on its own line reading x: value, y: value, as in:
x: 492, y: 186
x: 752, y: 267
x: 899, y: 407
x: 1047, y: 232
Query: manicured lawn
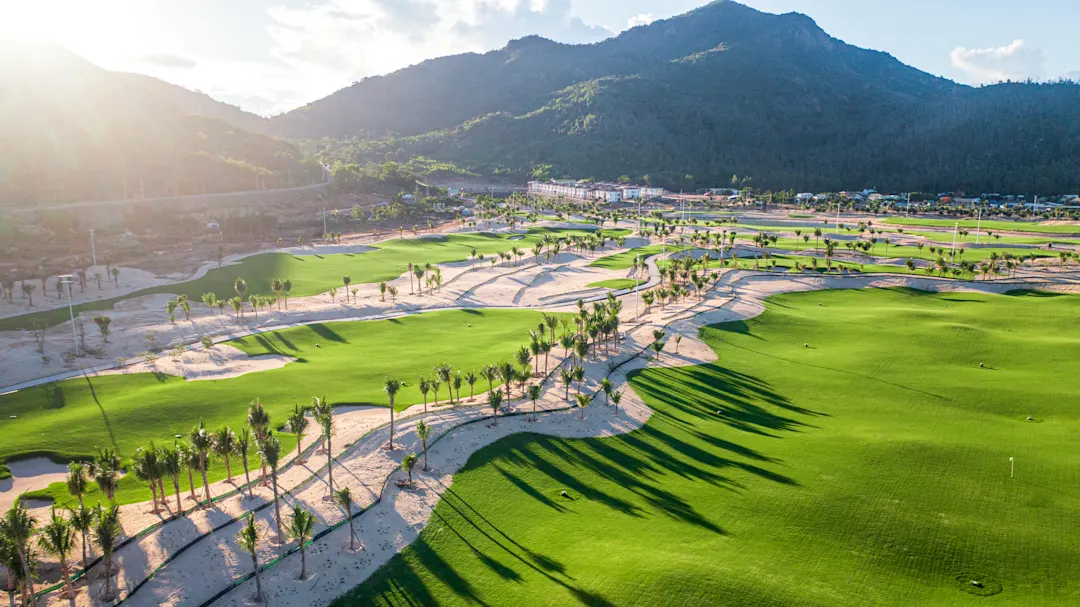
x: 987, y: 224
x: 617, y: 284
x: 870, y: 468
x: 314, y: 274
x: 623, y: 261
x: 897, y: 251
x: 347, y: 362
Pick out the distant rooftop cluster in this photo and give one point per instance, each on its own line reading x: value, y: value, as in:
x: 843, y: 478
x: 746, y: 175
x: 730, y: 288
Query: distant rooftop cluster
x: 584, y: 190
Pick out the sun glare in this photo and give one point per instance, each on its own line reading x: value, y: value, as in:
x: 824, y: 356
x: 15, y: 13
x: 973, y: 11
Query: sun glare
x: 93, y: 29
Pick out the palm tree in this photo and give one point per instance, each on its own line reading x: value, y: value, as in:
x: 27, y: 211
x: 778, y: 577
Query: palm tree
x: 425, y: 386
x: 106, y: 468
x: 343, y: 498
x: 605, y: 385
x: 224, y: 444
x: 423, y: 431
x: 346, y: 280
x: 300, y: 527
x: 445, y: 375
x: 495, y: 399
x: 242, y: 446
x: 657, y: 347
x: 567, y: 376
x: 17, y: 527
x: 615, y: 398
x: 298, y: 423
x: 326, y: 422
x: 321, y: 407
x: 270, y: 451
x: 144, y: 463
x: 190, y: 458
x: 534, y: 395
x: 507, y: 374
x: 259, y: 422
x: 172, y: 465
x: 490, y: 372
x: 275, y: 286
x: 107, y: 533
x: 58, y: 539
x: 456, y: 383
x: 81, y: 520
x: 678, y: 338
x: 470, y: 378
x: 201, y: 444
x: 241, y: 287
x: 408, y: 464
x: 583, y: 401
x: 248, y: 539
x: 286, y: 288
x: 77, y: 483
x: 391, y: 387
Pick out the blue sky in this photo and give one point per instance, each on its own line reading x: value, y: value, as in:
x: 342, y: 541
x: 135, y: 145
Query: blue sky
x: 273, y: 55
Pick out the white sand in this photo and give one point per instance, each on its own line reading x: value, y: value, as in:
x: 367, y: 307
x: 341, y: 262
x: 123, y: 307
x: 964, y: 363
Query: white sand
x: 29, y: 474
x: 222, y: 361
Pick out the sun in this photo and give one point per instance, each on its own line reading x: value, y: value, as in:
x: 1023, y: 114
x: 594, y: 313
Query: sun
x: 90, y: 28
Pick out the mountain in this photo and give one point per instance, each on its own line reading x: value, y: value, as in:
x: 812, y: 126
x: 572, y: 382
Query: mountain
x: 690, y: 101
x: 73, y: 131
x: 200, y: 104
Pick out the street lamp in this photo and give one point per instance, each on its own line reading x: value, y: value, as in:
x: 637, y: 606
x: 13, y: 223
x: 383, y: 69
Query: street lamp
x: 93, y: 248
x: 637, y: 283
x: 66, y: 280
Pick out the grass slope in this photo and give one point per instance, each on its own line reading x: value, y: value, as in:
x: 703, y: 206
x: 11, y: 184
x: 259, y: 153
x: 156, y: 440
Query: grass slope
x: 314, y: 274
x: 68, y: 419
x: 625, y: 260
x: 871, y: 468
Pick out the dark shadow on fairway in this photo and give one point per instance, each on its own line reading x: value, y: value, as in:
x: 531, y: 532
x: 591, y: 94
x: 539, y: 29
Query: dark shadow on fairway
x: 104, y: 416
x: 529, y: 490
x: 54, y: 397
x: 473, y: 312
x: 327, y: 333
x: 278, y: 335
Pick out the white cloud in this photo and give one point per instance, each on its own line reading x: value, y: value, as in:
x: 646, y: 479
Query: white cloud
x: 1015, y: 61
x: 327, y: 46
x: 642, y: 19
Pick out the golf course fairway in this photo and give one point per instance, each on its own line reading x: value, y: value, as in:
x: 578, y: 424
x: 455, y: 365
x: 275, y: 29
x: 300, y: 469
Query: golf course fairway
x: 344, y: 361
x: 848, y: 448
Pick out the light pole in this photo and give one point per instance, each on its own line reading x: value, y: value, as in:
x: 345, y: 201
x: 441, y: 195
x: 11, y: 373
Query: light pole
x: 838, y: 217
x: 956, y: 230
x: 637, y: 284
x: 324, y: 223
x: 66, y: 281
x: 93, y: 247
x: 978, y: 226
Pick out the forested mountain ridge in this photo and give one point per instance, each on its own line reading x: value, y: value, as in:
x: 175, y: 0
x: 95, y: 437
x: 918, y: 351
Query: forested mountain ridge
x: 692, y: 100
x: 72, y: 131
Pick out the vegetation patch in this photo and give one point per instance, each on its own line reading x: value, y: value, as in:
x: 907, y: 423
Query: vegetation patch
x: 617, y: 284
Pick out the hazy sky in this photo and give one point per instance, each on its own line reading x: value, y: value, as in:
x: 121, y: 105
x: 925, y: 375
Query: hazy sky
x: 273, y: 55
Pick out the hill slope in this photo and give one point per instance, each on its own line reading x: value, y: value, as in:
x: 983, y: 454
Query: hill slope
x: 721, y: 90
x: 73, y: 131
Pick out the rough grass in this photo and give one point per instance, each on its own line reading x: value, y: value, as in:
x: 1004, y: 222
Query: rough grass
x: 69, y: 419
x: 617, y: 284
x: 870, y: 468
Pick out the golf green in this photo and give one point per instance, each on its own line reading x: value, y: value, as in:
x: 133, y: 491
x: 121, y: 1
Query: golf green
x: 346, y: 361
x: 617, y: 284
x: 988, y: 224
x: 848, y: 448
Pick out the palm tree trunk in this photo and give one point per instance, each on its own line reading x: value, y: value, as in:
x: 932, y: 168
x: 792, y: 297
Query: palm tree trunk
x: 153, y: 492
x: 176, y: 486
x: 29, y: 583
x: 191, y: 482
x: 206, y: 485
x: 425, y: 455
x: 84, y: 559
x: 277, y: 507
x: 108, y: 576
x: 258, y: 580
x: 352, y: 532
x: 299, y: 453
x: 391, y: 425
x: 247, y: 478
x: 228, y: 469
x: 303, y: 559
x: 69, y: 590
x: 329, y: 465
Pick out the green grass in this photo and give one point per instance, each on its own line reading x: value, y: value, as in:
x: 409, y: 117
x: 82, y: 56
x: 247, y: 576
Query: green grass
x: 68, y: 419
x: 314, y: 274
x: 798, y: 216
x: 897, y: 251
x: 787, y: 262
x: 617, y: 284
x: 623, y: 261
x: 870, y: 468
x: 987, y: 224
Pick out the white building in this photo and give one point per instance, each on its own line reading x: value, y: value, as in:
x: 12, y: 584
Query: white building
x: 606, y: 192
x: 805, y: 196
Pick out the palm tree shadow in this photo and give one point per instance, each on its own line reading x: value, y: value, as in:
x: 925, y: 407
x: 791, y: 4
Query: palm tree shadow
x: 104, y: 415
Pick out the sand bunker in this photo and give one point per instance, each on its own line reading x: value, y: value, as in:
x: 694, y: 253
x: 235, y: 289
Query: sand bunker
x: 220, y: 362
x: 29, y: 474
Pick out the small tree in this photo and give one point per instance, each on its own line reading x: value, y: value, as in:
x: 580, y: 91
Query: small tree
x: 58, y: 539
x: 583, y: 401
x: 495, y: 399
x: 534, y: 395
x: 298, y: 424
x: 107, y: 534
x: 248, y: 539
x: 103, y: 323
x: 300, y: 527
x: 345, y: 280
x: 343, y: 498
x: 408, y: 464
x: 423, y: 431
x: 615, y: 398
